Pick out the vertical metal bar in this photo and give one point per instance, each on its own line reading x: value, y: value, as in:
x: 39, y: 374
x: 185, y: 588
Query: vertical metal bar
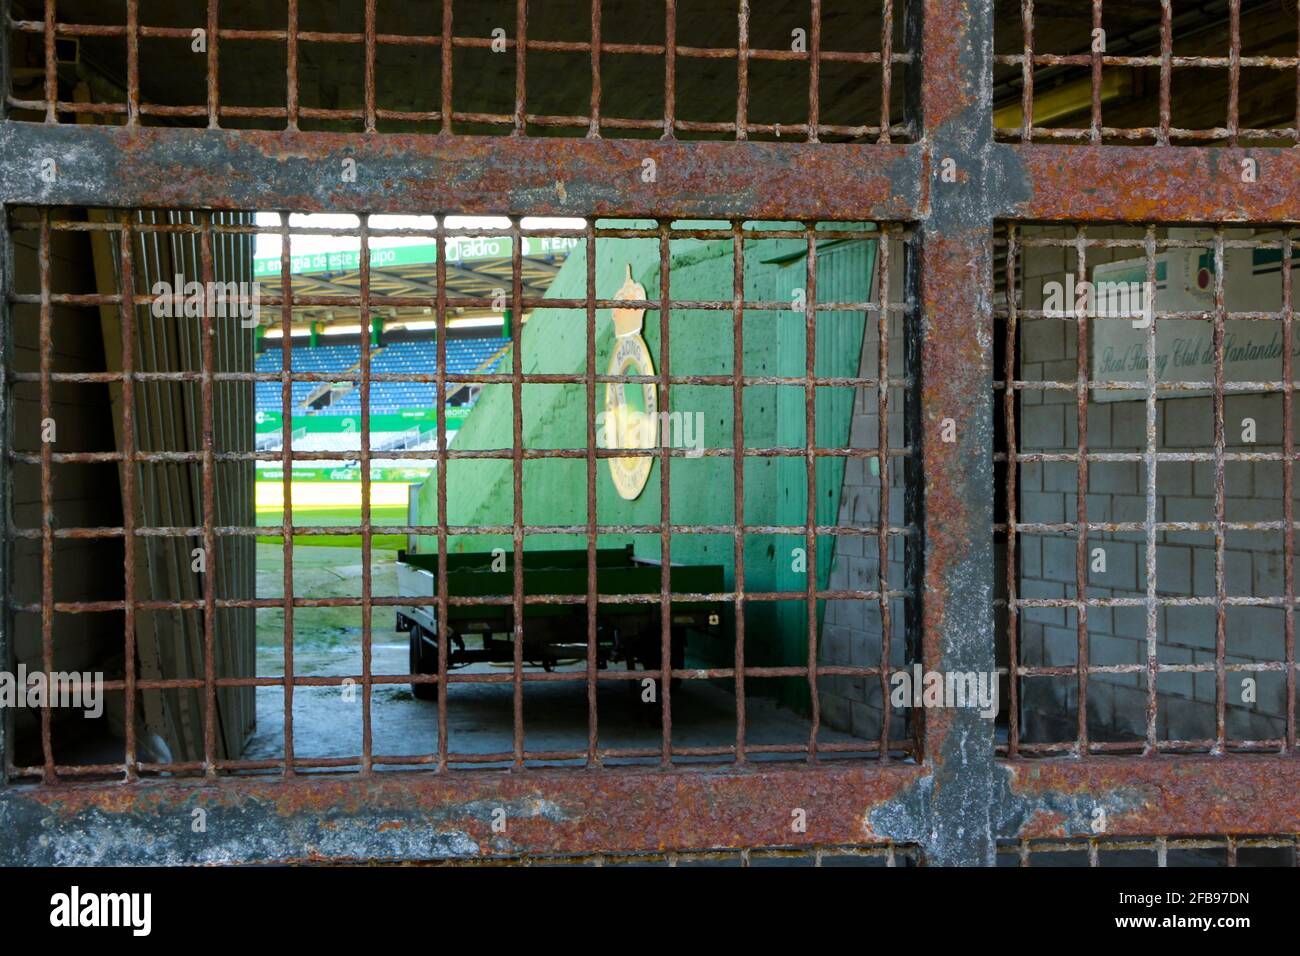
x: 883, y: 540
x: 738, y: 470
x: 742, y: 73
x: 363, y: 232
x: 51, y: 65
x: 291, y: 67
x: 517, y: 466
x: 1152, y: 500
x: 1220, y: 503
x: 810, y: 465
x: 670, y: 69
x: 1027, y: 71
x: 1009, y: 399
x: 209, y: 467
x: 1094, y: 124
x: 955, y: 286
x: 1081, y: 495
x: 132, y: 62
x: 370, y: 72
x: 1234, y: 69
x: 1166, y: 71
x: 814, y: 69
x: 46, y: 346
x: 446, y: 93
x: 7, y: 650
x: 593, y: 128
x: 521, y: 65
x: 665, y: 499
x: 593, y: 756
x: 1288, y: 479
x: 127, y: 290
x: 441, y: 479
x: 214, y: 59
x: 286, y: 458
x: 886, y: 68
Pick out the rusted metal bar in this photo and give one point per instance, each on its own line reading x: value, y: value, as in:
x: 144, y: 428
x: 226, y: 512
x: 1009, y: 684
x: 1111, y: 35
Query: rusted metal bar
x: 401, y: 173
x: 411, y: 816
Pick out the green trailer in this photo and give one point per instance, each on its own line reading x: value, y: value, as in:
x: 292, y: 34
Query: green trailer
x: 629, y: 633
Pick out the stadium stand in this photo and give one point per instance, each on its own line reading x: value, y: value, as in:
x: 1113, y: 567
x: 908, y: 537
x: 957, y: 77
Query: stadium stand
x: 463, y: 356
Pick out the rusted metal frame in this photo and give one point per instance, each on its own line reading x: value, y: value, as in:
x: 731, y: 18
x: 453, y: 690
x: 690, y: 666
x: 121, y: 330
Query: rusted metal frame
x: 290, y: 69
x: 517, y: 469
x: 1288, y: 486
x: 7, y: 649
x: 670, y: 69
x: 46, y: 346
x: 810, y: 466
x: 1027, y: 71
x: 367, y: 585
x: 1147, y: 184
x: 1009, y: 402
x: 738, y: 476
x: 886, y: 474
x: 886, y: 67
x: 521, y: 67
x: 1081, y: 398
x: 398, y: 815
x: 1234, y: 69
x: 51, y: 64
x: 368, y: 40
x: 286, y: 452
x: 953, y: 291
x: 1094, y: 128
x: 146, y: 167
x: 1220, y: 497
x: 815, y: 68
x: 593, y: 598
x: 441, y: 477
x: 446, y: 50
x: 129, y: 488
x: 742, y: 71
x: 664, y: 674
x: 1191, y: 794
x: 209, y: 483
x: 593, y: 128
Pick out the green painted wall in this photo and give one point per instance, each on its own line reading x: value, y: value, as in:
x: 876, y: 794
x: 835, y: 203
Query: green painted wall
x: 555, y: 416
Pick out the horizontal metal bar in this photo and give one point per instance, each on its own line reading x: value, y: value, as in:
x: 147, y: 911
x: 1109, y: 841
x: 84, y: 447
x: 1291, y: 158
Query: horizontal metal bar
x: 399, y: 816
x: 400, y: 173
x: 1175, y: 795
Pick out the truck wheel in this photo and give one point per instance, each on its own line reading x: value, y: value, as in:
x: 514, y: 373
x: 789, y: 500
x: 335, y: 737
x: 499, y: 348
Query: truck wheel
x: 419, y: 665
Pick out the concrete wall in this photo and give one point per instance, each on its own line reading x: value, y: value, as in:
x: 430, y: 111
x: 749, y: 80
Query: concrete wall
x: 851, y: 631
x: 1048, y: 421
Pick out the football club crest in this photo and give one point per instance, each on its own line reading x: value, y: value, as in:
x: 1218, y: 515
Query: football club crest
x: 631, y: 408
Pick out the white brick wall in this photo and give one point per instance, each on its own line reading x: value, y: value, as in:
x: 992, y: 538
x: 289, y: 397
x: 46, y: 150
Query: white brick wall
x: 1047, y: 350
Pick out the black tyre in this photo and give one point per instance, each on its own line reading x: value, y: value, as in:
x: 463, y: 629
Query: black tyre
x: 420, y: 664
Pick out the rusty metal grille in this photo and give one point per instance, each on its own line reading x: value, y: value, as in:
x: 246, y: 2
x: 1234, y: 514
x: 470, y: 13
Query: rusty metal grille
x: 976, y: 136
x: 882, y: 397
x: 1136, y: 73
x: 1148, y: 501
x: 559, y: 67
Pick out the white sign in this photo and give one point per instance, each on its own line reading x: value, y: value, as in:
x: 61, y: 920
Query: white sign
x: 1184, y: 348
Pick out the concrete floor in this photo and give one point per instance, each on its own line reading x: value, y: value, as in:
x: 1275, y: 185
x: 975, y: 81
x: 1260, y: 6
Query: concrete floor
x: 327, y: 641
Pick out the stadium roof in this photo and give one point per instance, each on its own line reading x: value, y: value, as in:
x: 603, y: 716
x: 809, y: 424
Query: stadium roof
x: 477, y: 266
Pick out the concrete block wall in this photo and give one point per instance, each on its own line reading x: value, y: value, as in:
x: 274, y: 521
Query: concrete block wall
x: 1185, y: 561
x: 851, y: 630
